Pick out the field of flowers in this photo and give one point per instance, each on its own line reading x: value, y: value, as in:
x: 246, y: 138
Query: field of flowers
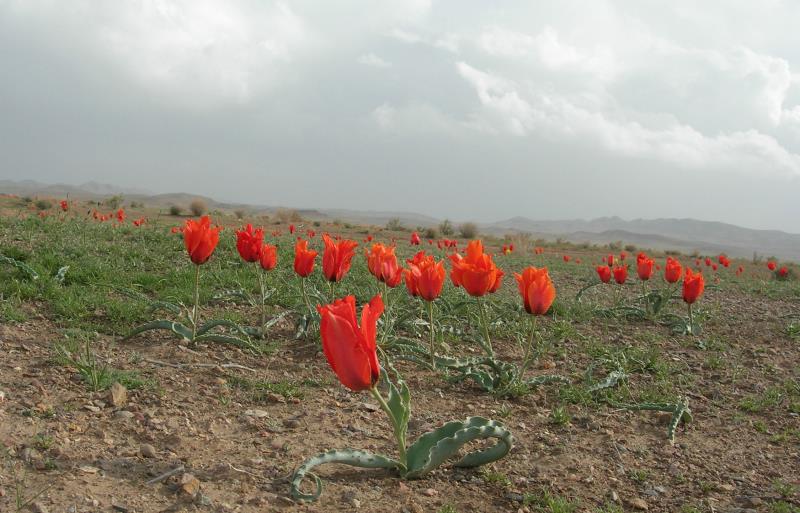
x: 160, y: 363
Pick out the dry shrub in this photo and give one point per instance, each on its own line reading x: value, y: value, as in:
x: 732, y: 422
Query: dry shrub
x: 468, y: 230
x: 198, y: 207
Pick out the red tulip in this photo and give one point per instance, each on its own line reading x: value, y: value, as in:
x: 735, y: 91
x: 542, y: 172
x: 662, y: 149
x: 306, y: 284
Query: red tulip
x: 303, y: 258
x: 350, y: 349
x: 200, y: 239
x: 644, y: 267
x: 291, y: 229
x: 604, y: 273
x: 476, y: 272
x: 610, y: 260
x: 537, y: 290
x: 425, y: 276
x: 708, y: 262
x: 121, y: 215
x: 538, y: 251
x: 578, y: 261
x: 415, y: 240
x: 740, y: 270
x: 249, y: 242
x: 714, y: 266
x: 693, y: 285
x: 311, y: 234
x: 382, y: 264
x: 673, y: 270
x: 783, y: 272
x: 268, y: 257
x: 176, y: 229
x: 64, y: 205
x: 620, y: 274
x: 771, y: 265
x: 566, y: 258
x: 337, y: 257
x: 623, y: 255
x: 138, y: 222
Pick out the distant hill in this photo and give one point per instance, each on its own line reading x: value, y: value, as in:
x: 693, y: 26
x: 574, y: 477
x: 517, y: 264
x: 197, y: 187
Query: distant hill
x: 686, y: 235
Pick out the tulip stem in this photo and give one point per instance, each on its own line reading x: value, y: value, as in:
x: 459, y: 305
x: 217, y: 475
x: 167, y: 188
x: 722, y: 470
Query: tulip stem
x: 263, y: 303
x: 432, y: 335
x: 691, y: 320
x: 196, y: 301
x: 526, y: 360
x: 487, y: 343
x: 399, y: 431
x: 644, y: 298
x: 305, y: 295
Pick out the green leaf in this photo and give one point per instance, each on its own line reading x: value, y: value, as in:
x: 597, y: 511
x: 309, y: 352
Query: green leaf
x: 213, y: 323
x: 350, y: 457
x: 161, y: 324
x: 225, y: 339
x: 612, y: 379
x: 22, y: 266
x: 61, y: 274
x: 433, y: 448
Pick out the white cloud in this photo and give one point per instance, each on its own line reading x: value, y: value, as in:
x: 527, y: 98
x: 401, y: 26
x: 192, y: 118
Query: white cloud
x: 549, y: 116
x: 370, y: 59
x: 405, y: 36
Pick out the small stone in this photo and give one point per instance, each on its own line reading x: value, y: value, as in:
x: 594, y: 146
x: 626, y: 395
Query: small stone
x: 751, y: 502
x: 726, y: 487
x: 92, y: 408
x: 355, y: 503
x: 258, y: 414
x: 123, y: 414
x: 147, y: 451
x: 275, y: 398
x: 2, y: 396
x: 118, y: 395
x: 118, y: 506
x: 38, y: 507
x: 403, y: 488
x: 638, y: 503
x: 430, y: 492
x: 189, y: 485
x: 88, y: 469
x: 369, y: 407
x: 291, y: 423
x: 614, y: 496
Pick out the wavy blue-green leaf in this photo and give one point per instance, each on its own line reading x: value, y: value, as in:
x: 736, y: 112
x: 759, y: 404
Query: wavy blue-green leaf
x: 350, y: 457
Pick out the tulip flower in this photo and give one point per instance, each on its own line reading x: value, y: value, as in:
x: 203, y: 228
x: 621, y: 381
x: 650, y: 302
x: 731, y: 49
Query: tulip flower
x: 623, y: 255
x: 708, y: 262
x: 537, y: 290
x: 771, y: 265
x: 479, y: 276
x: 382, y: 264
x: 249, y: 242
x: 337, y: 258
x: 425, y: 278
x: 415, y: 239
x: 268, y: 257
x: 644, y: 267
x: 783, y: 272
x: 120, y: 216
x: 350, y: 349
x: 64, y: 205
x: 566, y: 258
x: 620, y: 274
x: 476, y: 272
x: 672, y: 270
x: 304, y: 266
x: 604, y: 273
x: 693, y: 285
x: 291, y: 229
x: 610, y: 260
x: 303, y: 258
x: 138, y: 222
x: 739, y: 271
x: 200, y: 239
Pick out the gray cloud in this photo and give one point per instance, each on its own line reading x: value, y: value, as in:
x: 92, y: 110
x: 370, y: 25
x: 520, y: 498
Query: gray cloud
x: 572, y: 109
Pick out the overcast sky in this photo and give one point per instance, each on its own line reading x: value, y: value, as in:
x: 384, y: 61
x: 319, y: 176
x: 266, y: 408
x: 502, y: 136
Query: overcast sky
x: 467, y: 109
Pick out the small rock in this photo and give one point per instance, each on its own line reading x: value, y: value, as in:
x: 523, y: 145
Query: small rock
x: 614, y: 496
x: 291, y: 423
x: 147, y: 451
x: 88, y: 469
x: 189, y: 485
x: 430, y: 492
x: 124, y: 414
x: 638, y: 503
x: 259, y: 414
x: 751, y: 502
x: 38, y: 507
x: 118, y: 395
x: 355, y: 503
x: 118, y: 506
x: 403, y: 488
x: 370, y: 407
x: 726, y: 487
x: 92, y: 408
x: 2, y: 396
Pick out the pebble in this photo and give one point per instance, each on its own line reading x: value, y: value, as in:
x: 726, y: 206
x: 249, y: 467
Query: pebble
x: 2, y: 396
x: 189, y: 485
x: 147, y: 451
x: 638, y: 503
x: 430, y: 492
x: 123, y: 414
x: 38, y: 507
x: 259, y: 414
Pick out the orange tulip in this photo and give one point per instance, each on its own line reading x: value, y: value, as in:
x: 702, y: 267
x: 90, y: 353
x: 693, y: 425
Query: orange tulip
x: 351, y: 349
x: 537, y: 290
x: 476, y: 272
x: 248, y: 243
x: 415, y: 239
x: 672, y: 270
x: 268, y: 257
x: 620, y: 274
x: 303, y: 258
x: 200, y: 239
x: 382, y: 264
x: 604, y: 273
x: 644, y: 267
x: 693, y: 286
x: 337, y: 257
x: 425, y: 276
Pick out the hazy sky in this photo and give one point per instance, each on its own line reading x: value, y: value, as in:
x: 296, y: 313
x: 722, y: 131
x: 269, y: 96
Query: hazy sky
x: 468, y: 109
